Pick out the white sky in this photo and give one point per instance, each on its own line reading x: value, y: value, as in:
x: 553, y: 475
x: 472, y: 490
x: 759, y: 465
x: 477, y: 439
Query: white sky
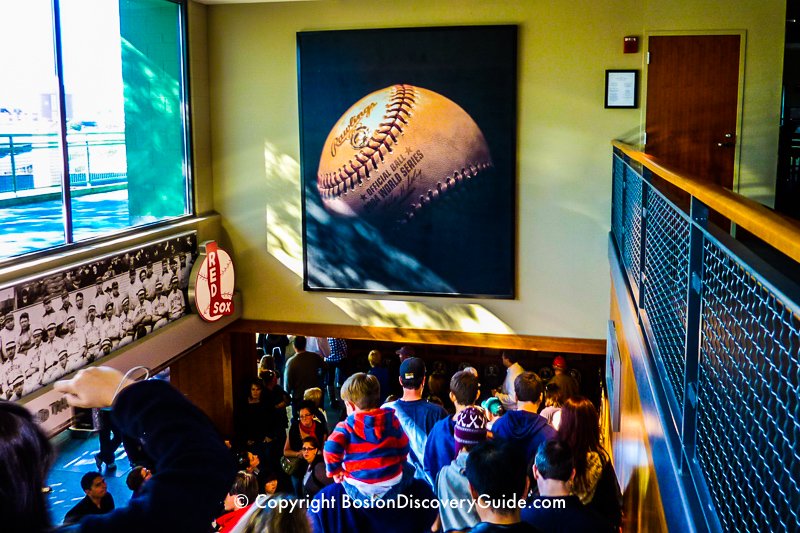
x: 91, y: 50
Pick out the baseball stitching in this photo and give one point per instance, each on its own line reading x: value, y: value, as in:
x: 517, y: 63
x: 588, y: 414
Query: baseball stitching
x: 356, y: 170
x: 207, y: 310
x: 458, y: 178
x: 224, y: 270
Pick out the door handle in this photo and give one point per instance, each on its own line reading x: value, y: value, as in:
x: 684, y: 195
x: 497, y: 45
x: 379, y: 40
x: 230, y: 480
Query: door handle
x: 726, y: 144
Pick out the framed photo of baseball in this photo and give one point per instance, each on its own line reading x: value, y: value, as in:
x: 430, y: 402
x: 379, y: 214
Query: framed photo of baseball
x: 408, y: 160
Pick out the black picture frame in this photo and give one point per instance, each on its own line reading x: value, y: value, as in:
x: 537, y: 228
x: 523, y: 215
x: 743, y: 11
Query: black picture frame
x: 622, y: 89
x: 466, y: 247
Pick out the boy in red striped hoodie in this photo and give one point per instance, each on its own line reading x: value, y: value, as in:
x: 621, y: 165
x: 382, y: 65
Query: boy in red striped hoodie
x: 368, y: 450
x: 366, y: 454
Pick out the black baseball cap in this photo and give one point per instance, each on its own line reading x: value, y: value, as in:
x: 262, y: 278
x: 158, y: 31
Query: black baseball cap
x: 412, y: 368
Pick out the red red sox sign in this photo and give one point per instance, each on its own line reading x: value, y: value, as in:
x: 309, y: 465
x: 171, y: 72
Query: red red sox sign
x: 211, y: 283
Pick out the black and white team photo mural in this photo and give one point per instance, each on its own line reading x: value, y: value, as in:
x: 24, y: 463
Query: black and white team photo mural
x: 55, y: 324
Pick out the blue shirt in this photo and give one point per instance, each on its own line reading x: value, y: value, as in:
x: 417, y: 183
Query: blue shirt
x: 193, y: 468
x: 440, y: 450
x: 382, y: 374
x: 417, y: 418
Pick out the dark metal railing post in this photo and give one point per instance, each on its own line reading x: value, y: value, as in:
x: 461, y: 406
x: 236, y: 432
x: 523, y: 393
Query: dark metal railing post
x: 699, y: 214
x: 614, y: 178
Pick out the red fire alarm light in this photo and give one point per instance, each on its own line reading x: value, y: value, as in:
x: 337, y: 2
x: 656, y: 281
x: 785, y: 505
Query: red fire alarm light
x: 631, y: 44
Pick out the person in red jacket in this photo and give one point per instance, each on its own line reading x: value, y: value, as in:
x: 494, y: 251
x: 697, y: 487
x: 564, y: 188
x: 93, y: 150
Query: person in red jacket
x: 240, y: 497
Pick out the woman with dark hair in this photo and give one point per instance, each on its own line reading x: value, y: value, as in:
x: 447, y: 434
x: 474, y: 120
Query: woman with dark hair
x: 552, y: 404
x: 305, y: 426
x: 315, y: 477
x: 277, y: 398
x: 595, y: 481
x: 25, y: 458
x: 240, y: 497
x: 254, y: 419
x: 249, y: 462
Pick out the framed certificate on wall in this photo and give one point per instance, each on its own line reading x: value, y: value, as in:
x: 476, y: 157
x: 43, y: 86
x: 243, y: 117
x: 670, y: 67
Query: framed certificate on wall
x: 622, y: 89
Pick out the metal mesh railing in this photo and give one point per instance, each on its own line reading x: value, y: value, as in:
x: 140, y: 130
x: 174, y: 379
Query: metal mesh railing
x: 617, y: 189
x: 632, y: 228
x: 748, y: 419
x: 666, y: 267
x: 736, y: 392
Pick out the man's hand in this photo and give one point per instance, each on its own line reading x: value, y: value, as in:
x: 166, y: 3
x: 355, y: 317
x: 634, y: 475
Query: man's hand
x: 92, y: 387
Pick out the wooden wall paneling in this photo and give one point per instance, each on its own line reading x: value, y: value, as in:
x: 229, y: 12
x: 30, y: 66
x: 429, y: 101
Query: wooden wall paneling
x: 244, y: 364
x: 204, y: 376
x: 425, y: 336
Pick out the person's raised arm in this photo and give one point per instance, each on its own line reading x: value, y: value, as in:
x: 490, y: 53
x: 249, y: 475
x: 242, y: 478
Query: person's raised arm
x: 193, y: 468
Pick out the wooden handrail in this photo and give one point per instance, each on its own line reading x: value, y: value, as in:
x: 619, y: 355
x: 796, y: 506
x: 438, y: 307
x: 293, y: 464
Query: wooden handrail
x: 776, y: 230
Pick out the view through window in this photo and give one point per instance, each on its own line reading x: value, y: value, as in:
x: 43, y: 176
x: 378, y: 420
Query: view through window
x: 94, y: 143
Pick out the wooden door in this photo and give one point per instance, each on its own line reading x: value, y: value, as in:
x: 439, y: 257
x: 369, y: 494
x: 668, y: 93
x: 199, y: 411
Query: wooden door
x: 692, y: 104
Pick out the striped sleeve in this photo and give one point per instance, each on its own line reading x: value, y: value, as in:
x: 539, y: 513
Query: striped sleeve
x: 401, y: 436
x: 334, y: 449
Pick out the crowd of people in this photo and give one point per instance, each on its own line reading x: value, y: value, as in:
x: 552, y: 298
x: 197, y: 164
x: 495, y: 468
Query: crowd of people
x: 525, y: 457
x: 401, y: 435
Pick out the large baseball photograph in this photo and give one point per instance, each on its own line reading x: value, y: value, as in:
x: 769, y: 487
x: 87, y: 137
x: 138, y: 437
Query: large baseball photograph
x: 408, y: 160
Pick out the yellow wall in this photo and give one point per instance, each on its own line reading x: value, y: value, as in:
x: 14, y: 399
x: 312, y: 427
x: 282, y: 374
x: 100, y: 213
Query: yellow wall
x: 563, y: 145
x: 201, y: 140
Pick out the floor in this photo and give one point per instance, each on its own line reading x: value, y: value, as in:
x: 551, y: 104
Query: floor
x: 75, y: 458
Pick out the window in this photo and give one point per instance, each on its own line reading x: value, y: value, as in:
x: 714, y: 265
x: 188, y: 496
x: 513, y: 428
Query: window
x: 93, y: 123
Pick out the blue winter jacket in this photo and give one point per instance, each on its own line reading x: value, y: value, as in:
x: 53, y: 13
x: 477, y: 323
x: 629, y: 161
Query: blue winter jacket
x: 524, y: 430
x: 440, y: 450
